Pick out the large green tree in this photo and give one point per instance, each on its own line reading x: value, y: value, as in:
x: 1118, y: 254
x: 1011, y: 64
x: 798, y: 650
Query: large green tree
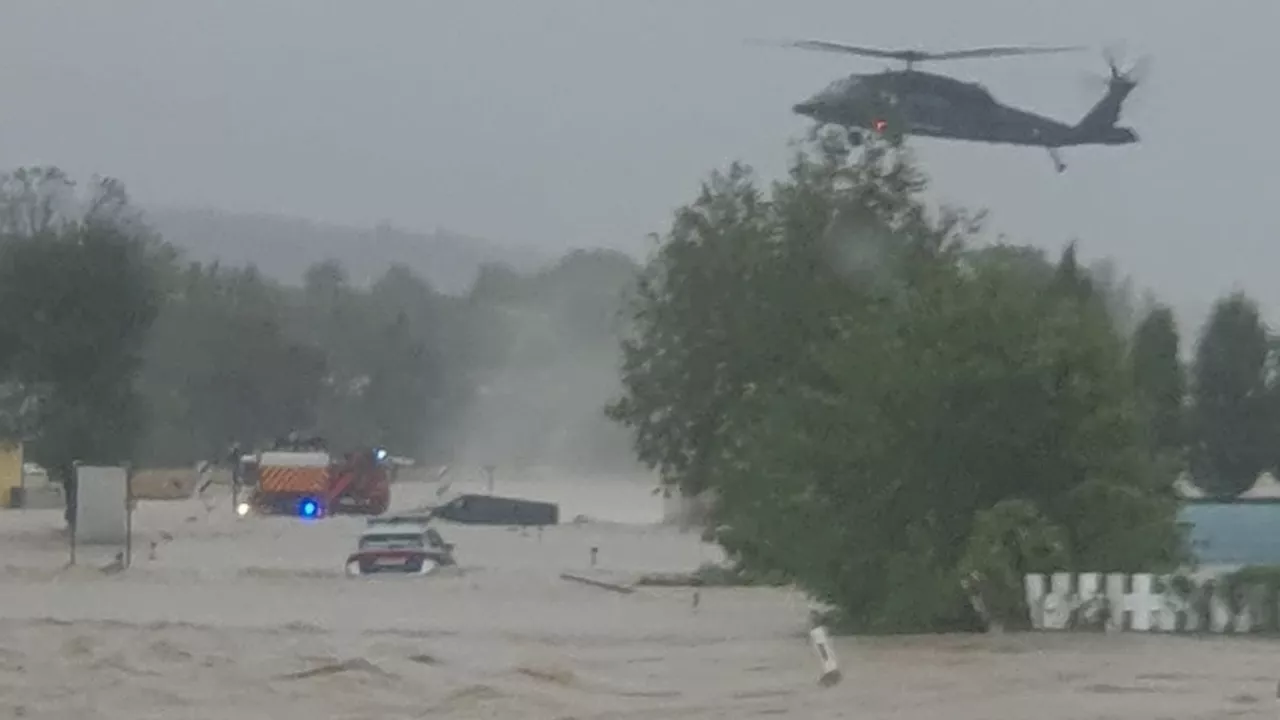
x: 1231, y: 416
x: 1160, y: 380
x: 394, y: 371
x: 408, y: 397
x: 857, y: 388
x: 79, y: 291
x: 221, y: 368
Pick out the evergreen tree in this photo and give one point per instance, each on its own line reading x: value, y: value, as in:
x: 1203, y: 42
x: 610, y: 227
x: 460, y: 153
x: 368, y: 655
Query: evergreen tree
x: 1161, y: 383
x: 1231, y: 417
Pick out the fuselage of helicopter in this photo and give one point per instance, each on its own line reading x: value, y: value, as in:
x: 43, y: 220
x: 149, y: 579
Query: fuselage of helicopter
x: 926, y: 104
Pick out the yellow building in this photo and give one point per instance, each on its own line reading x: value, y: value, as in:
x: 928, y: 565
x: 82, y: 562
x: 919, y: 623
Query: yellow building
x: 10, y: 471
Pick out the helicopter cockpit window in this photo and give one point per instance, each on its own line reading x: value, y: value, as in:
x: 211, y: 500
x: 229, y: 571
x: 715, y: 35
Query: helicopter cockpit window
x: 843, y: 86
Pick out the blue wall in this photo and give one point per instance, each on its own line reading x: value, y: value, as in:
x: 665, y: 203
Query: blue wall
x: 1239, y: 533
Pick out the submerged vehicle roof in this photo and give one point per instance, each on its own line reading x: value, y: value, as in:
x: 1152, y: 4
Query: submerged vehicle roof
x: 417, y: 518
x: 397, y: 530
x: 500, y: 498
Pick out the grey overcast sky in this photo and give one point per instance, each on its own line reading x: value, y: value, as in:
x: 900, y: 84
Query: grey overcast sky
x: 564, y: 123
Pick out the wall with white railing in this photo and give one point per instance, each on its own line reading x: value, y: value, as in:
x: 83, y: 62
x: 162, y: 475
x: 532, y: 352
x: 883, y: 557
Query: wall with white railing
x: 1145, y: 603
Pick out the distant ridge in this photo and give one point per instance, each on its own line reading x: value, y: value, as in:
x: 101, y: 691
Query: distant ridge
x: 283, y: 247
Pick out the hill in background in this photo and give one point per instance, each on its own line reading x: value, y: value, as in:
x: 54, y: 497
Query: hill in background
x: 283, y: 247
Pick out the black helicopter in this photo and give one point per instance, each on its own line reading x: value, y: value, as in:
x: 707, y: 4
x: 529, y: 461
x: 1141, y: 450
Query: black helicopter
x: 910, y: 102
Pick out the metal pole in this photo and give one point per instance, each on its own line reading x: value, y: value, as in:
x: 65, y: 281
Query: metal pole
x: 128, y: 515
x: 488, y: 471
x: 70, y: 488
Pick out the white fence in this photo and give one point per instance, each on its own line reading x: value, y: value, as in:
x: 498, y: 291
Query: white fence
x: 1142, y: 603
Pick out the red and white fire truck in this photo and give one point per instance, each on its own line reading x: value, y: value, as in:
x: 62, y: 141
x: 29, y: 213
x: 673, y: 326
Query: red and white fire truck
x: 303, y: 479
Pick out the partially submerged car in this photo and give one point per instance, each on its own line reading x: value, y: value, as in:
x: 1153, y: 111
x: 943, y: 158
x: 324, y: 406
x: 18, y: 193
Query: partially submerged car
x: 400, y: 547
x: 472, y: 509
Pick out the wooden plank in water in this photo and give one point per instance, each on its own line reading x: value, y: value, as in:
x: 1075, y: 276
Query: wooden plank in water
x: 615, y: 587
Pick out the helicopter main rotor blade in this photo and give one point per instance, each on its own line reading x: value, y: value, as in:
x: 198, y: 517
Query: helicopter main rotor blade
x: 826, y: 46
x: 1000, y: 52
x: 912, y: 56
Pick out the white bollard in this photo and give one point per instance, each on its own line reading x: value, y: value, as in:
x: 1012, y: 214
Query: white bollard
x: 826, y: 656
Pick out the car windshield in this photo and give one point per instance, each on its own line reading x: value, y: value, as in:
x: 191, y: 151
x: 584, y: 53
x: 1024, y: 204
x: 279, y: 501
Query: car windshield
x: 388, y: 541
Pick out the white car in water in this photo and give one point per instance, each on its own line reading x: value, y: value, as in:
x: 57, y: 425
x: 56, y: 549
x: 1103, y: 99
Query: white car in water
x: 388, y: 546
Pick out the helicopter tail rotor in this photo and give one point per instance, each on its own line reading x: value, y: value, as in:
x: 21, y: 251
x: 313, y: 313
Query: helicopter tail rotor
x: 1119, y: 76
x: 1134, y: 75
x: 1100, y: 125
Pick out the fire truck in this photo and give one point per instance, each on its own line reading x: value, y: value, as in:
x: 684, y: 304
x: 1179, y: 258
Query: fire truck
x: 301, y: 478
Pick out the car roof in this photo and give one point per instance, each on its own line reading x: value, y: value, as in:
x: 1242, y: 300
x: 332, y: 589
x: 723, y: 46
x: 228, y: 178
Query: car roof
x: 398, y: 530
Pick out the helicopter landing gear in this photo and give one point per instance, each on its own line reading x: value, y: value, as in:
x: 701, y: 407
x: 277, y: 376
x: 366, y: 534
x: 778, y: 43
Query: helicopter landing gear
x: 1057, y: 159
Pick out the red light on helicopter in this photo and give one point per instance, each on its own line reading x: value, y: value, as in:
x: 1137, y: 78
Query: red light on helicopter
x: 879, y: 125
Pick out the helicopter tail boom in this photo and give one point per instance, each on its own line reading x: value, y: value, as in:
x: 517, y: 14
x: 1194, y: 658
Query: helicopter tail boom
x: 1099, y: 125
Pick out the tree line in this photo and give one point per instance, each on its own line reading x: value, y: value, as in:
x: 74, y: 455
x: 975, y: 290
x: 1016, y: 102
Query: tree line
x: 904, y: 419
x: 1215, y: 417
x: 113, y: 348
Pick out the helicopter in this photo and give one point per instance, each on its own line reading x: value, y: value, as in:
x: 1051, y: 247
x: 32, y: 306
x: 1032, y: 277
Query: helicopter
x: 907, y: 101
